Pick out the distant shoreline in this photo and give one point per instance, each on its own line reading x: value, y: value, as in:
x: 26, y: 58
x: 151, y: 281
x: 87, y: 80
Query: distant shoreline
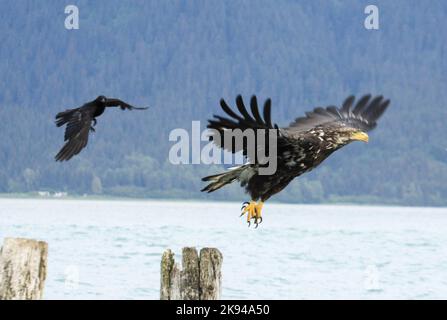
x: 105, y: 197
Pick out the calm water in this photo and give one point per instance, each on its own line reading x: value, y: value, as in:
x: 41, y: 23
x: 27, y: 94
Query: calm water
x: 112, y: 249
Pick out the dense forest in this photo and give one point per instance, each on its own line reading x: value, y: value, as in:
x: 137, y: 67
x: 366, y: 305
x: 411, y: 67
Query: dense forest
x: 181, y: 57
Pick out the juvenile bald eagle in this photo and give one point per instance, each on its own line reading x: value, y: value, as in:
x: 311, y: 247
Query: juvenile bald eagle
x: 301, y: 146
x: 79, y: 124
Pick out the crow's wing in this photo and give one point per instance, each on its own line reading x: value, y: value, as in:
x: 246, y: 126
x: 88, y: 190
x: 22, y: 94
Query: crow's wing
x: 76, y: 134
x: 363, y: 115
x: 111, y: 102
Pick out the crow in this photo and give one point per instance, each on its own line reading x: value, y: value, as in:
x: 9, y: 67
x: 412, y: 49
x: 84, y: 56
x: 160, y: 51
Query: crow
x: 79, y: 124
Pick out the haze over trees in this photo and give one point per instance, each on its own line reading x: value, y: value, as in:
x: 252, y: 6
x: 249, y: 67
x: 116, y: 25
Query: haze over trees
x: 181, y: 57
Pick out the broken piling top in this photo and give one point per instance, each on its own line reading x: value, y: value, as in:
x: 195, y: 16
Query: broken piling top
x: 199, y: 279
x: 23, y: 269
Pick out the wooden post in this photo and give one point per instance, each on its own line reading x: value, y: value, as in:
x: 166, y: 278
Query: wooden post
x: 189, y: 279
x: 210, y: 274
x: 23, y: 269
x: 200, y: 278
x: 170, y: 277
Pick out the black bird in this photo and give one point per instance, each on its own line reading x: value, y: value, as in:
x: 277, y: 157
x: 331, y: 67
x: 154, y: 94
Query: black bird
x: 79, y: 124
x: 301, y: 146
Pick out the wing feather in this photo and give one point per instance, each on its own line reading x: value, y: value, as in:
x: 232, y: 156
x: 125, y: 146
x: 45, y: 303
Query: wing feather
x: 363, y: 116
x: 255, y: 110
x: 112, y: 102
x: 347, y: 105
x: 243, y: 110
x: 76, y: 134
x: 267, y: 113
x: 243, y: 121
x: 361, y: 104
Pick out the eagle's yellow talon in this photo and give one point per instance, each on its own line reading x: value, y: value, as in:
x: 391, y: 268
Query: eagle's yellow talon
x: 253, y: 211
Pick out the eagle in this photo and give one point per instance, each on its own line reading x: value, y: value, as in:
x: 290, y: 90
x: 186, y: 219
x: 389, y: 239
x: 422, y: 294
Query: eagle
x: 80, y: 121
x: 300, y: 147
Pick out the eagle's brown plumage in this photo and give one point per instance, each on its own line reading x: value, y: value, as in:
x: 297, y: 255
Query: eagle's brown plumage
x: 301, y: 146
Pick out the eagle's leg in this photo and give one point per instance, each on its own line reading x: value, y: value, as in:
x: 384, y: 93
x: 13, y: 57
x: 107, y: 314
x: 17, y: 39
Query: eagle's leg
x: 253, y: 211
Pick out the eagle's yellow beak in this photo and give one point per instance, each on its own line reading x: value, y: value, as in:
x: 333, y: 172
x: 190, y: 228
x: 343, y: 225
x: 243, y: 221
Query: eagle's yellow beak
x: 360, y: 136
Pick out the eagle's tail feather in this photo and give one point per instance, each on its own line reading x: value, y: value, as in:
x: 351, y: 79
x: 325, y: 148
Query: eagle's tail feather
x: 221, y: 179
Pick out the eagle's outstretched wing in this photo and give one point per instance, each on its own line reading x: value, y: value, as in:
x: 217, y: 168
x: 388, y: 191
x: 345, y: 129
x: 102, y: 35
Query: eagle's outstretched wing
x: 243, y: 121
x: 112, y: 102
x: 362, y: 116
x: 76, y: 133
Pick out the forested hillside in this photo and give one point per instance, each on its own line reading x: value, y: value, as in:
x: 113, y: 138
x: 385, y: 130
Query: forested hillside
x: 181, y: 57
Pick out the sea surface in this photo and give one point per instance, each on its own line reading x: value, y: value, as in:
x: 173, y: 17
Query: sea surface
x: 110, y: 249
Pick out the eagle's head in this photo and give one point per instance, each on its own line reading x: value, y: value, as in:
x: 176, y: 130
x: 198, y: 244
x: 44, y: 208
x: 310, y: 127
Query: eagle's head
x: 344, y: 135
x: 334, y: 137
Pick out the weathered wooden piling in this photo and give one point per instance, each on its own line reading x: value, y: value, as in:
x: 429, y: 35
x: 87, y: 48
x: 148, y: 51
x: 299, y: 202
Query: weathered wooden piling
x: 199, y: 279
x: 23, y: 269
